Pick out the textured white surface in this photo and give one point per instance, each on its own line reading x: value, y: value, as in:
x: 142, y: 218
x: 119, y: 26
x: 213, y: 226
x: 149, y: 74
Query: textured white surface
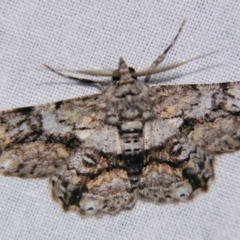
x: 93, y: 34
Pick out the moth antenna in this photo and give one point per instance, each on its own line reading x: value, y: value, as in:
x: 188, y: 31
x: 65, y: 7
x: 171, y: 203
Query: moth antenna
x: 155, y: 70
x: 83, y: 80
x: 162, y: 56
x: 97, y: 73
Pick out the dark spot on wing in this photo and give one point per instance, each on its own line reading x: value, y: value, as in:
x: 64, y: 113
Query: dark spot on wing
x: 224, y: 86
x: 24, y: 110
x: 69, y: 141
x: 194, y: 86
x: 76, y: 195
x: 58, y: 104
x: 73, y: 143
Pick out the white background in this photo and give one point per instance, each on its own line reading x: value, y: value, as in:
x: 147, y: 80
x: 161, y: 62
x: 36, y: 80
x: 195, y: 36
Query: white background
x: 93, y: 34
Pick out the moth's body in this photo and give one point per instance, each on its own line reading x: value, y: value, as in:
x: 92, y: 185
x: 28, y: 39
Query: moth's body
x: 104, y: 151
x: 127, y: 111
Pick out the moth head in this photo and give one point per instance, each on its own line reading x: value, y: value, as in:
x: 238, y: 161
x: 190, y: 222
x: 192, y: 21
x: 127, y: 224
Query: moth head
x: 123, y: 73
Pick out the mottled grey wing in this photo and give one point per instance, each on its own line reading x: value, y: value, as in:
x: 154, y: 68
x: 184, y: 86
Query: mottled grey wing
x: 194, y: 122
x: 209, y: 113
x: 34, y: 141
x: 70, y: 141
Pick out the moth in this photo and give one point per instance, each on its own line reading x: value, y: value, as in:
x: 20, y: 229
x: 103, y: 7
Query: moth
x: 131, y: 141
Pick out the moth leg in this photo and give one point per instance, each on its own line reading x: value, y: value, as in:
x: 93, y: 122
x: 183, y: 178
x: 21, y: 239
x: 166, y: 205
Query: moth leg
x: 84, y: 80
x: 162, y: 56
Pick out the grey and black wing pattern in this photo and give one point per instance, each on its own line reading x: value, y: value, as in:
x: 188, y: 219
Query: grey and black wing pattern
x: 34, y: 141
x: 70, y: 142
x: 204, y: 121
